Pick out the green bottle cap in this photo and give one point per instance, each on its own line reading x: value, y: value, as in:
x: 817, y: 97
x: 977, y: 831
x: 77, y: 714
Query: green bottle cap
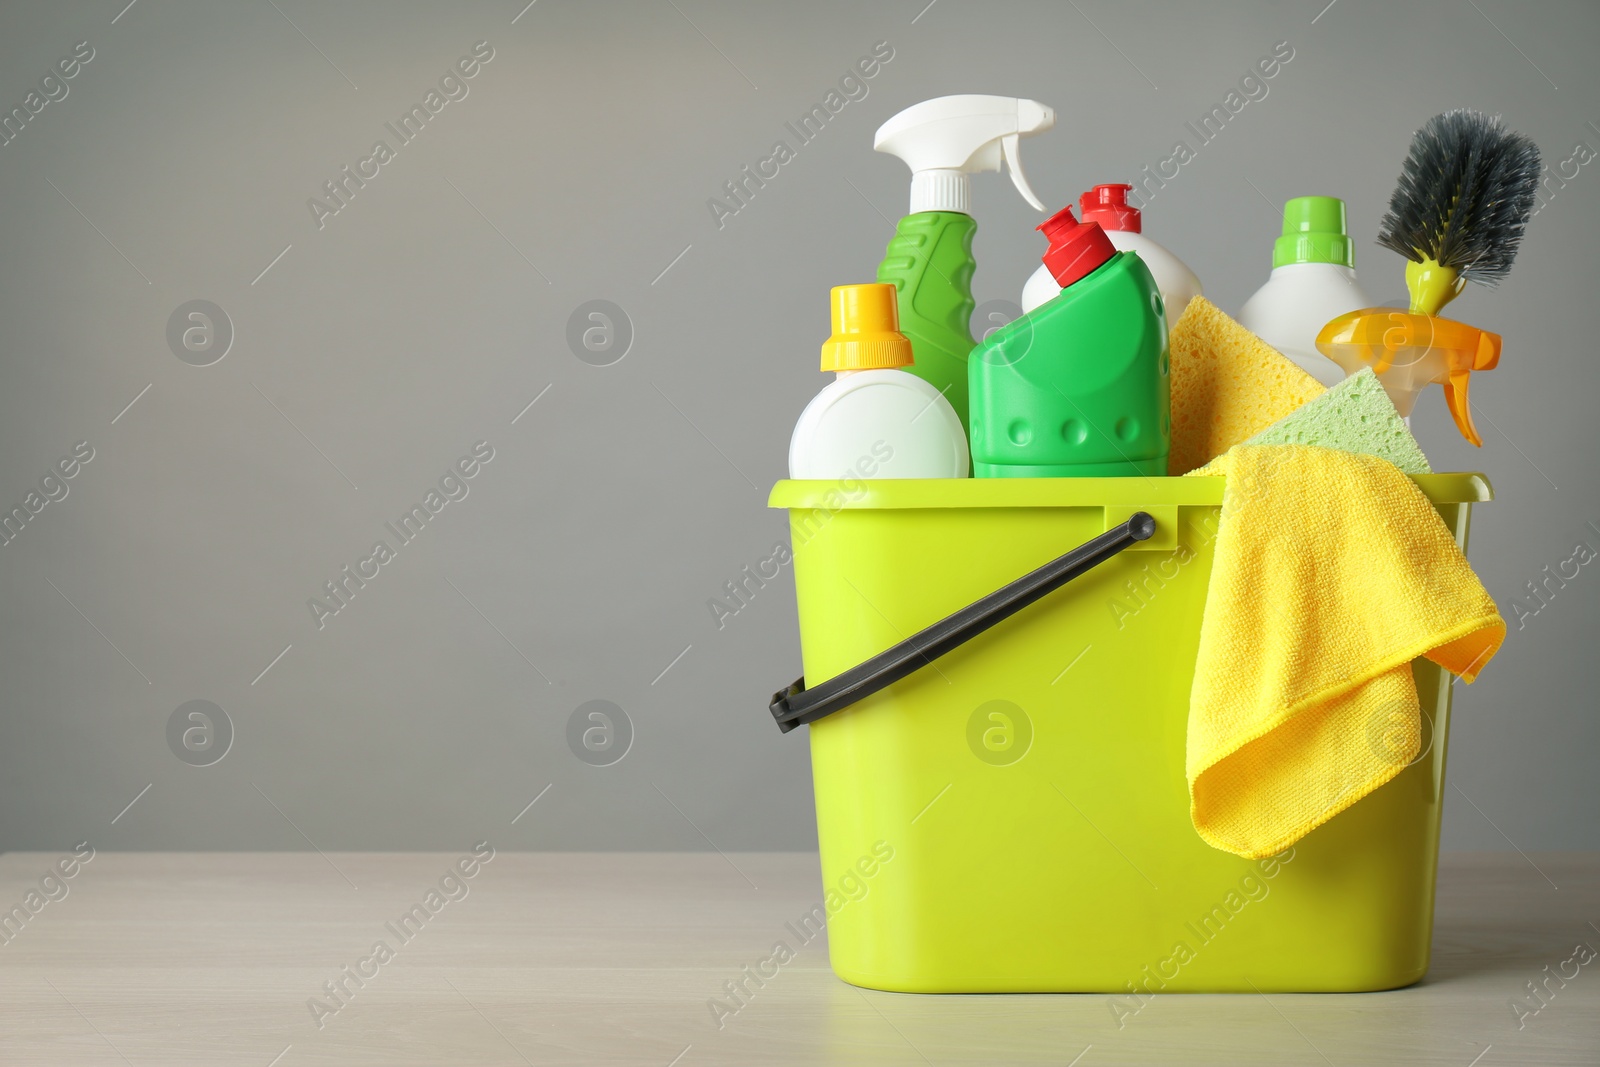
x: 1314, y: 232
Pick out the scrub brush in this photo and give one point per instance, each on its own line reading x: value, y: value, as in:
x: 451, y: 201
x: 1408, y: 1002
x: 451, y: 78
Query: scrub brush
x: 1465, y: 195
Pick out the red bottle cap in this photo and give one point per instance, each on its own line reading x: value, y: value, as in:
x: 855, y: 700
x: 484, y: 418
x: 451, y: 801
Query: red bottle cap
x: 1076, y: 248
x: 1108, y: 205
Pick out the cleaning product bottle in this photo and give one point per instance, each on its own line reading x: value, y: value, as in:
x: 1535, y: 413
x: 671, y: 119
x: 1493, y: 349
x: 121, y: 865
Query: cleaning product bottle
x: 1077, y: 387
x: 874, y: 420
x: 1123, y: 223
x: 1313, y: 280
x: 929, y: 259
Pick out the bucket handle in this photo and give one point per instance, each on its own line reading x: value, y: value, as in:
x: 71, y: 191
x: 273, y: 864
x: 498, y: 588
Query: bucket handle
x: 796, y: 705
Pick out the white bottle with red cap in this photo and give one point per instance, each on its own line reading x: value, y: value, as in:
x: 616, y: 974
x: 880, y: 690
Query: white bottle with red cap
x: 1108, y: 205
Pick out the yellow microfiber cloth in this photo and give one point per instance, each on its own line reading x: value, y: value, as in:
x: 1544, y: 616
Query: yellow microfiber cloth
x: 1332, y: 573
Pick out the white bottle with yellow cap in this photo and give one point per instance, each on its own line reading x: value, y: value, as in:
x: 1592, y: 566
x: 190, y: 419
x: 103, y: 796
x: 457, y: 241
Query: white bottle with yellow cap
x: 875, y: 420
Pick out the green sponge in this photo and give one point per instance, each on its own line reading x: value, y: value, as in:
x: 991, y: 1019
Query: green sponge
x: 1354, y: 416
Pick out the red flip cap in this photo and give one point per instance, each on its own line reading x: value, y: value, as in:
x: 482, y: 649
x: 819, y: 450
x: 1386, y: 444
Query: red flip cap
x: 1108, y: 205
x: 1076, y: 248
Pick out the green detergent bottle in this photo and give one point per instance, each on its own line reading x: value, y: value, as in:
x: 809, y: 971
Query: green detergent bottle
x: 929, y: 259
x: 1078, y: 387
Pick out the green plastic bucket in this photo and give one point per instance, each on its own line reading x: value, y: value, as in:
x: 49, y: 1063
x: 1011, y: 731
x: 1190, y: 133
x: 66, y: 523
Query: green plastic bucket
x: 1014, y: 816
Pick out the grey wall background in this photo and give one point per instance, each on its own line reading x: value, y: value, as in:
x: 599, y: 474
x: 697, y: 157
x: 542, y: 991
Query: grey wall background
x: 424, y: 317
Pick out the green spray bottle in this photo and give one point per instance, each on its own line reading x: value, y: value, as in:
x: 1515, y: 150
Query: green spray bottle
x: 1078, y: 387
x: 929, y: 260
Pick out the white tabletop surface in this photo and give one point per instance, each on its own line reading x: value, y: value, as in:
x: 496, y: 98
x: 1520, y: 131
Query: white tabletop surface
x: 208, y: 958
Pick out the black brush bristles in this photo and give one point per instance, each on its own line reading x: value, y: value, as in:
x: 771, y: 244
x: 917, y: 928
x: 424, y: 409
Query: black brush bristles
x: 1464, y: 197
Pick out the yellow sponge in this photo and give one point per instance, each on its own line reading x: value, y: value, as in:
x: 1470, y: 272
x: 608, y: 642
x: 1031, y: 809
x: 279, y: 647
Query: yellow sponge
x: 1227, y: 385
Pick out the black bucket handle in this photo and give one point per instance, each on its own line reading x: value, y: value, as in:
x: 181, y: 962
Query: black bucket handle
x: 797, y: 705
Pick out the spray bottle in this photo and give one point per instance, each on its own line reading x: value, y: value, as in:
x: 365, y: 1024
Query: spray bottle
x: 929, y: 260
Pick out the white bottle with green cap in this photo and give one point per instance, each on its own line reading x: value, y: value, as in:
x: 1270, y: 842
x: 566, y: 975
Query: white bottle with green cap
x: 1313, y: 281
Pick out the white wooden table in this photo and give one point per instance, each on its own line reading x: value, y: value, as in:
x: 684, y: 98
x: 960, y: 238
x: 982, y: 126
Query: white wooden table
x: 179, y: 958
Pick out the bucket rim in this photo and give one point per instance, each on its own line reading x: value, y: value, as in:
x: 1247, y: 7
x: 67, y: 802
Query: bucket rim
x: 920, y: 493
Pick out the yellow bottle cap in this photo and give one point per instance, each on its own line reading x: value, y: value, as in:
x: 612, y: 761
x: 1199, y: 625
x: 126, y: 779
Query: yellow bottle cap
x: 866, y: 329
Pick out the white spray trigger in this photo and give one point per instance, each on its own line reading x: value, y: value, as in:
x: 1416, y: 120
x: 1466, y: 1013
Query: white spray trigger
x: 946, y: 139
x: 1008, y: 146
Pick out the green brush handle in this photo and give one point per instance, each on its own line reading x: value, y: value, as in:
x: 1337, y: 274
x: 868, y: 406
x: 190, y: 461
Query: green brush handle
x: 1432, y: 285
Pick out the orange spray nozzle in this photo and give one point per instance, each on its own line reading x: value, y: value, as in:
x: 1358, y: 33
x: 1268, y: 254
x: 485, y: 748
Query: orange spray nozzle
x: 1409, y: 351
x: 1462, y: 364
